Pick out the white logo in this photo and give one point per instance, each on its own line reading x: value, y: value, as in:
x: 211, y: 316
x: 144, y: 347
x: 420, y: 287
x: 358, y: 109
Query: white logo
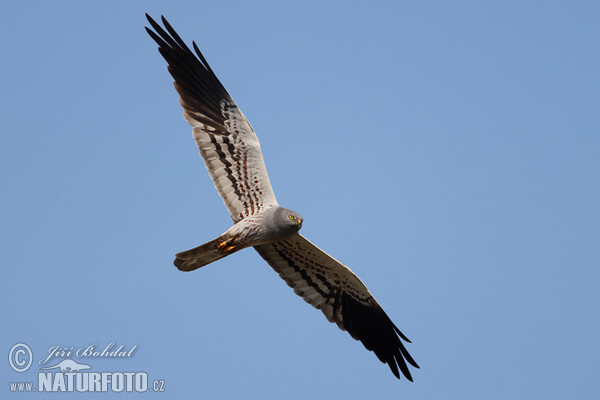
x: 14, y: 357
x: 72, y: 376
x: 68, y: 365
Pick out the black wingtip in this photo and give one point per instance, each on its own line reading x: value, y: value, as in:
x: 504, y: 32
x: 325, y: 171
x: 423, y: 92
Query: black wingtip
x: 151, y: 21
x: 371, y: 325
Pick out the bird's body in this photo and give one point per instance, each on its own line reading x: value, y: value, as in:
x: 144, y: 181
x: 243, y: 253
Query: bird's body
x: 232, y: 154
x: 267, y: 226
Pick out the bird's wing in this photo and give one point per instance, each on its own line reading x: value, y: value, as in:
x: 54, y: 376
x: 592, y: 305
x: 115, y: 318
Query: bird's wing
x: 226, y: 140
x: 330, y: 286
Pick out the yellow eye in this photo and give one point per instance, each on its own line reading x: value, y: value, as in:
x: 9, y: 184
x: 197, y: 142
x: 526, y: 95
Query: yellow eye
x: 291, y: 216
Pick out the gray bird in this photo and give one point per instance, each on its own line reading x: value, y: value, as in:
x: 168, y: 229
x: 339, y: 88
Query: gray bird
x: 232, y: 155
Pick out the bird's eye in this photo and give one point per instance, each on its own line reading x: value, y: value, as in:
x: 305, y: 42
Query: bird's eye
x: 291, y: 216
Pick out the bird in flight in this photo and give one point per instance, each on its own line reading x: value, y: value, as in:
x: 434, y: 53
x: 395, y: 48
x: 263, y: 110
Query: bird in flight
x: 234, y: 160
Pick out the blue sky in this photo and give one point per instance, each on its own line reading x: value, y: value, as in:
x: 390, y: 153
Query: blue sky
x: 448, y: 153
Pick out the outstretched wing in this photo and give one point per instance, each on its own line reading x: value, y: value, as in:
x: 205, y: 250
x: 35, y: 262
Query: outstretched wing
x: 330, y: 286
x: 226, y: 140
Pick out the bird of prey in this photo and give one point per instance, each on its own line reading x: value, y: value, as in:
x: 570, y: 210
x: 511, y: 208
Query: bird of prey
x: 234, y: 160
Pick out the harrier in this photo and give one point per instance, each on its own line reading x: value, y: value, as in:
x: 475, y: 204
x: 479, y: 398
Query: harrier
x: 232, y: 154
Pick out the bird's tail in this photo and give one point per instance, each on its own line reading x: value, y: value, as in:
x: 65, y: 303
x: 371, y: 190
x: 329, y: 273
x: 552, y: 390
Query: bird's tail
x: 202, y: 255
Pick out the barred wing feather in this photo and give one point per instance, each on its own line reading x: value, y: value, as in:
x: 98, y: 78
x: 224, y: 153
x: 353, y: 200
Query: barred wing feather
x: 330, y: 286
x: 225, y: 139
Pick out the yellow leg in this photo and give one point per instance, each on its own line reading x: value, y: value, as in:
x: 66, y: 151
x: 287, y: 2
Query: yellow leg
x: 225, y: 246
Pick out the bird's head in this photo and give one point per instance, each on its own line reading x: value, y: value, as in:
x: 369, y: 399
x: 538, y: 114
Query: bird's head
x: 289, y: 220
x: 295, y: 219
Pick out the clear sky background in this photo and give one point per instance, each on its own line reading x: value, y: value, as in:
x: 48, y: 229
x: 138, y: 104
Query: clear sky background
x: 448, y: 152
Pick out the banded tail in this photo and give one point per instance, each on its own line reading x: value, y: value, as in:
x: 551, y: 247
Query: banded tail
x: 202, y: 255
